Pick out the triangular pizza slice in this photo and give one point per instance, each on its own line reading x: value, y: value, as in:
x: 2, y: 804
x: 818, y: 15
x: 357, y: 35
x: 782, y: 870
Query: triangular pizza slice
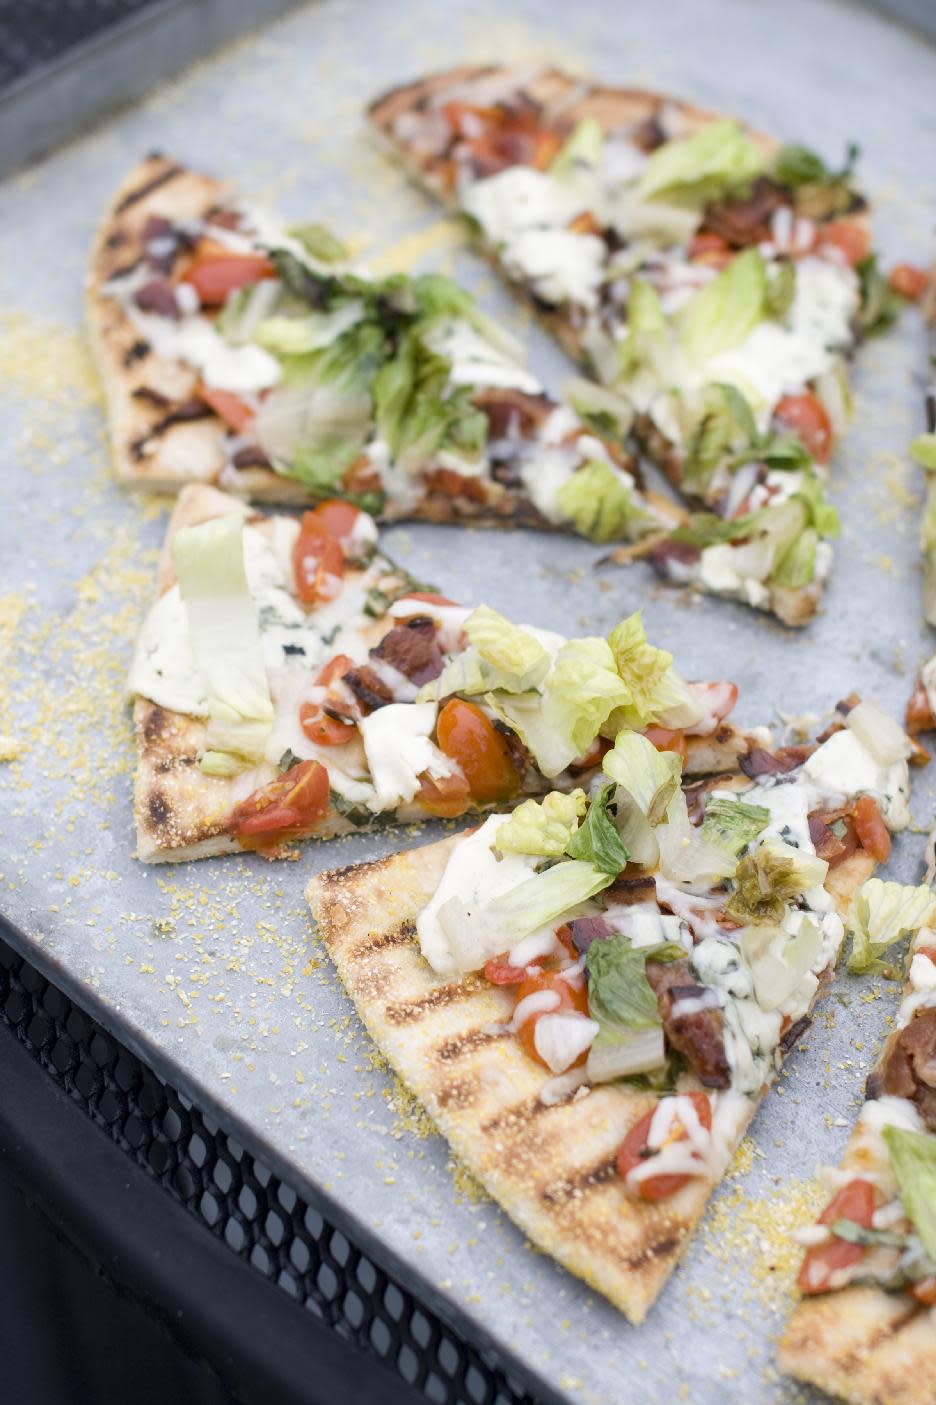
x: 291, y: 681
x: 591, y: 996
x: 865, y: 1329
x: 243, y: 355
x: 715, y: 281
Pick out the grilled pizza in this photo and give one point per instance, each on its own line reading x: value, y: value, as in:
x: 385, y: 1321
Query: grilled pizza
x: 713, y: 279
x: 591, y: 995
x: 291, y: 681
x: 258, y: 359
x: 865, y: 1328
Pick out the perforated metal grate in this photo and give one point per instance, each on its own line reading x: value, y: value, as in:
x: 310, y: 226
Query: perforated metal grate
x: 262, y: 1219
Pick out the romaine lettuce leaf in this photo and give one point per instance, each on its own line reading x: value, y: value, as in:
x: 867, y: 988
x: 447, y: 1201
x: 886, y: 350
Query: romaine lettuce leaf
x: 546, y: 897
x: 923, y: 449
x: 419, y: 412
x: 543, y: 828
x: 508, y: 648
x: 599, y: 504
x: 913, y: 1157
x: 596, y: 840
x: 582, y: 148
x: 701, y: 167
x: 649, y: 776
x: 620, y: 997
x: 881, y: 913
x: 720, y: 315
x: 319, y: 243
x: 225, y: 636
x: 733, y: 824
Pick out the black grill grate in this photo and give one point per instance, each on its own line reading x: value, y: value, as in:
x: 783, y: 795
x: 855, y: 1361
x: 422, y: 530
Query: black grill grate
x: 261, y: 1218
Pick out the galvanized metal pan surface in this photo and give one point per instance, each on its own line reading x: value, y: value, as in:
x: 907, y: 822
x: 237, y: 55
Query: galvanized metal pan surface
x: 212, y: 971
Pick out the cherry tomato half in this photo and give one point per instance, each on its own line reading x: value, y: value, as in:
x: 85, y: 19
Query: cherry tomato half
x: 635, y: 1150
x: 469, y: 737
x: 908, y: 282
x: 215, y: 274
x: 444, y: 796
x: 664, y: 739
x: 573, y: 995
x: 808, y: 418
x: 317, y: 724
x: 227, y: 406
x: 318, y: 562
x: 854, y: 1201
x: 873, y: 834
x: 851, y: 239
x: 283, y: 809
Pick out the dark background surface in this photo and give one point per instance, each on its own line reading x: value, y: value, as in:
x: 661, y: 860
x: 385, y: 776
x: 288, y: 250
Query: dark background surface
x: 68, y: 1338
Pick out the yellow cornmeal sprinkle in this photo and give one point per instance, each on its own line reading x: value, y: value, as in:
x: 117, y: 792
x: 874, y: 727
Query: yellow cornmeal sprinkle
x: 467, y: 1188
x: 757, y: 1232
x: 45, y: 361
x: 407, y: 252
x: 12, y: 609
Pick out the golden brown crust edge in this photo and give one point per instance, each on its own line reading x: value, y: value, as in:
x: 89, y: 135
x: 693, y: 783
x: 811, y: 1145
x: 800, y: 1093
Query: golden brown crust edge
x: 140, y: 387
x: 550, y: 1168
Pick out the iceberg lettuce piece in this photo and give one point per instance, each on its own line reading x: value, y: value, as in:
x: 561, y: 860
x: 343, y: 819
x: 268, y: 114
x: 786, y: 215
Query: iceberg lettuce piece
x: 599, y: 503
x: 881, y: 913
x: 719, y: 316
x: 649, y: 776
x: 913, y: 1157
x: 225, y: 636
x: 699, y: 168
x: 597, y: 840
x: 546, y: 897
x: 542, y: 828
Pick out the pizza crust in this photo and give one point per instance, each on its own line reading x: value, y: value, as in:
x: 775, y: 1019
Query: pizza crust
x: 550, y: 1168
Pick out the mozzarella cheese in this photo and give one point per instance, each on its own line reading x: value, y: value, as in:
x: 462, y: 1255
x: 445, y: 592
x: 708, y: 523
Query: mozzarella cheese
x: 396, y: 742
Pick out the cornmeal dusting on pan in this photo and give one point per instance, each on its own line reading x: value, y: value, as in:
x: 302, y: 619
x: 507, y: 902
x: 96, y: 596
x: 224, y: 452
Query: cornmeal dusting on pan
x: 45, y: 361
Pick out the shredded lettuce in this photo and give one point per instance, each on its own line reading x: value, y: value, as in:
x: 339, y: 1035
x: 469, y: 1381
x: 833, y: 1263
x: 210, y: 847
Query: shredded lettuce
x: 543, y: 828
x: 620, y: 997
x: 596, y: 840
x: 733, y: 824
x: 913, y: 1157
x: 319, y: 243
x: 686, y: 854
x: 649, y: 776
x: 599, y: 503
x: 579, y: 693
x: 647, y: 330
x: 779, y: 960
x: 582, y: 148
x: 607, y: 413
x: 699, y: 168
x: 880, y: 305
x: 881, y: 913
x: 225, y: 635
x: 508, y: 648
x: 418, y: 411
x: 769, y: 877
x: 720, y: 315
x: 658, y: 693
x: 923, y: 449
x: 546, y: 897
x: 285, y: 336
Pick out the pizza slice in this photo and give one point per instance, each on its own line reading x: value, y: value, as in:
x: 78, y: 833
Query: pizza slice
x: 715, y: 280
x: 257, y: 359
x: 921, y: 710
x: 291, y: 681
x: 865, y: 1328
x: 590, y: 996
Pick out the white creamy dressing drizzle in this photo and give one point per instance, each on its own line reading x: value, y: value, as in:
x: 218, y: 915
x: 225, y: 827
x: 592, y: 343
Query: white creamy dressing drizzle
x: 562, y: 1037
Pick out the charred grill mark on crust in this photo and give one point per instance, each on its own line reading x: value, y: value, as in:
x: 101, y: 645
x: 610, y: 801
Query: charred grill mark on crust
x: 518, y: 1117
x: 154, y: 724
x: 351, y: 871
x: 151, y: 397
x: 158, y: 809
x: 136, y: 352
x: 574, y: 1187
x: 410, y: 1011
x: 116, y: 239
x: 659, y: 1249
x: 461, y: 1093
x: 398, y: 936
x: 175, y: 763
x: 147, y: 188
x: 451, y: 1049
x: 184, y: 413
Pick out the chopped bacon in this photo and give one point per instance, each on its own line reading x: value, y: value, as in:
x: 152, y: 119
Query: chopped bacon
x: 908, y: 1067
x: 510, y: 411
x: 745, y: 220
x: 371, y: 691
x: 586, y: 930
x: 698, y: 1034
x: 157, y: 296
x: 761, y: 762
x: 412, y: 648
x: 919, y: 712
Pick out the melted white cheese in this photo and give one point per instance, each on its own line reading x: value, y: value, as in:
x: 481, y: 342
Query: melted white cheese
x: 843, y: 766
x: 398, y: 749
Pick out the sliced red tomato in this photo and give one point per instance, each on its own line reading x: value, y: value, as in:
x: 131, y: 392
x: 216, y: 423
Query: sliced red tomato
x: 227, y: 406
x: 908, y: 281
x: 925, y: 1291
x: 665, y: 739
x: 854, y: 1201
x: 285, y: 808
x: 808, y: 418
x: 717, y: 699
x: 919, y: 716
x: 500, y: 972
x: 444, y: 796
x: 317, y: 724
x: 852, y: 239
x: 469, y: 737
x: 333, y: 517
x: 635, y: 1149
x: 564, y: 937
x: 455, y: 485
x: 318, y: 562
x: 571, y: 996
x: 216, y: 273
x: 873, y: 834
x: 710, y: 249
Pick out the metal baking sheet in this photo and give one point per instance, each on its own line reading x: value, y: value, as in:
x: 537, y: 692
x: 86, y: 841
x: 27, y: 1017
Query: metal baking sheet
x: 211, y: 971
